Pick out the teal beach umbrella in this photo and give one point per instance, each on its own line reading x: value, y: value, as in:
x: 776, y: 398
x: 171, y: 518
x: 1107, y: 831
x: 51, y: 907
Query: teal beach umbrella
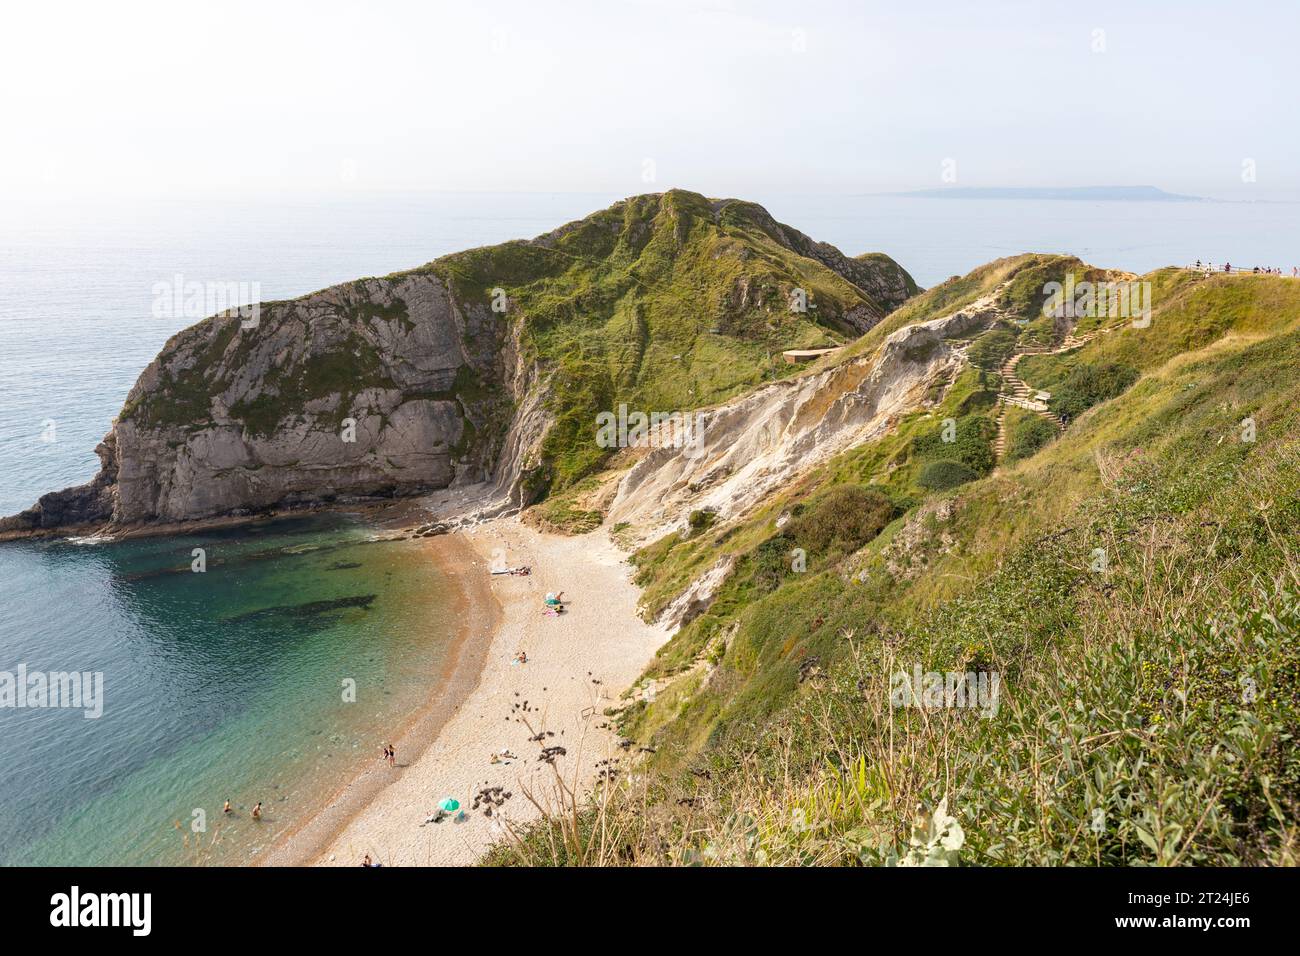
x: 449, y: 804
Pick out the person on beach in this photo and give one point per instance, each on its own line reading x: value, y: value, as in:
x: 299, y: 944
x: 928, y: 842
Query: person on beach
x: 385, y: 756
x: 227, y: 808
x: 392, y: 756
x: 521, y: 658
x: 257, y: 810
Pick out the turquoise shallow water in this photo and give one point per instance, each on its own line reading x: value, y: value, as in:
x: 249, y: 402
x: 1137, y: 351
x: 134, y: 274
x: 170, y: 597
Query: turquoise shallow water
x: 224, y: 684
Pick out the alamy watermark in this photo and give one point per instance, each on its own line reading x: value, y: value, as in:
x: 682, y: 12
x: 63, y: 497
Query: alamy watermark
x: 77, y: 690
x: 130, y: 910
x: 1099, y: 300
x: 934, y: 690
x: 635, y: 429
x: 177, y: 299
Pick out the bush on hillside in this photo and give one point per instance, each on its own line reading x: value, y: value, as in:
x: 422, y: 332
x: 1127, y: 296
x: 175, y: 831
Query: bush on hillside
x: 972, y: 444
x: 1088, y: 385
x: 701, y: 520
x: 944, y: 474
x: 839, y: 520
x: 769, y: 563
x: 827, y: 526
x: 1028, y: 435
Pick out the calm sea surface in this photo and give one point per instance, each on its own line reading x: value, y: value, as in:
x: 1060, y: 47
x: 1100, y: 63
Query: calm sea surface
x: 227, y: 684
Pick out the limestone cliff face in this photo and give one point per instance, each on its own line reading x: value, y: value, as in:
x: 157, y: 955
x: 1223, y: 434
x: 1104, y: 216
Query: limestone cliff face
x: 377, y: 387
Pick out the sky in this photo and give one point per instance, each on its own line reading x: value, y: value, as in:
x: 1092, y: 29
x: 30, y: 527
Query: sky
x: 631, y: 96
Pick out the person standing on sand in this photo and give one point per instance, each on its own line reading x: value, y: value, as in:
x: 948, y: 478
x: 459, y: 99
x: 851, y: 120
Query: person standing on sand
x: 392, y: 756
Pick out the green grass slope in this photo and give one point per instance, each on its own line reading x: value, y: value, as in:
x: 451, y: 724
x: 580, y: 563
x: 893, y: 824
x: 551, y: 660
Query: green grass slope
x: 667, y: 302
x: 1133, y: 584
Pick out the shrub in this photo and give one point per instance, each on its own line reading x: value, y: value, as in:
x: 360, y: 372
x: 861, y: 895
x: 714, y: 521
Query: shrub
x: 839, y: 520
x: 944, y: 474
x: 769, y: 563
x: 1088, y: 385
x: 972, y: 444
x: 701, y: 520
x: 1028, y: 435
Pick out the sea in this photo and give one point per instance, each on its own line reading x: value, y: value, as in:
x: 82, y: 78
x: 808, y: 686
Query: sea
x: 232, y: 683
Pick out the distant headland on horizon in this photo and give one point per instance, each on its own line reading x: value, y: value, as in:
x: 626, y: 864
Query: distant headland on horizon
x: 1106, y: 193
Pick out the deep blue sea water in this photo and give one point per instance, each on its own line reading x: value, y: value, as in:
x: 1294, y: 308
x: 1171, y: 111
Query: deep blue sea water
x: 225, y: 684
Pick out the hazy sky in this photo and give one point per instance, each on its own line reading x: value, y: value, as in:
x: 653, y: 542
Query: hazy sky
x: 630, y: 96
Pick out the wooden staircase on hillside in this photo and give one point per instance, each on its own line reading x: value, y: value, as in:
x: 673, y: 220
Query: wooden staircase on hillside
x: 1015, y: 391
